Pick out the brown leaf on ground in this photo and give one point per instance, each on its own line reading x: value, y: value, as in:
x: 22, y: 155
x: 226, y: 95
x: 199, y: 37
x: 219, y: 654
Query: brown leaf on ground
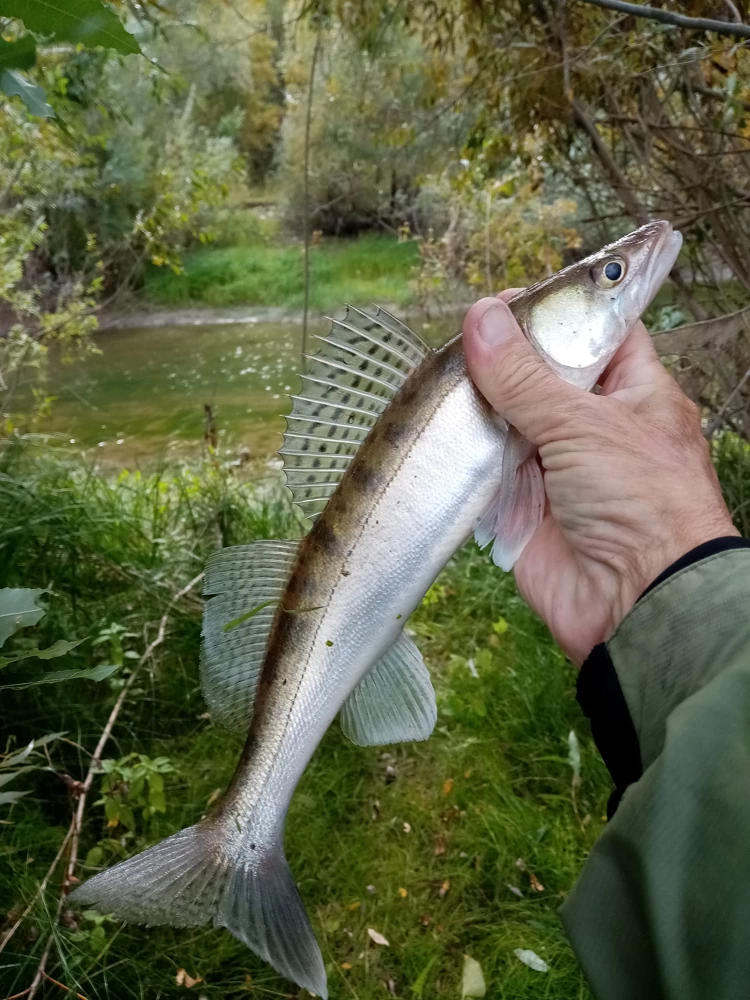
x: 184, y: 979
x: 448, y: 786
x: 443, y: 890
x: 536, y: 885
x: 440, y: 847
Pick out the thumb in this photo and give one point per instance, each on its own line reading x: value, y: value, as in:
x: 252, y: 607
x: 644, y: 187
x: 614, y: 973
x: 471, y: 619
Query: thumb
x: 512, y: 377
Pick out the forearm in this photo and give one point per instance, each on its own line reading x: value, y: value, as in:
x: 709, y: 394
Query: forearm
x: 663, y: 905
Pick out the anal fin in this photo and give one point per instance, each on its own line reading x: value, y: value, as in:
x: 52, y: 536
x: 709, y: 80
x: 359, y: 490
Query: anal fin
x: 517, y: 508
x: 394, y: 702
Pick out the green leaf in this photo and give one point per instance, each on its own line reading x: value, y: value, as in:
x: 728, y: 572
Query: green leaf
x: 8, y: 798
x: 18, y: 757
x: 18, y: 606
x: 247, y: 615
x: 16, y: 85
x: 87, y: 21
x: 59, y: 648
x: 11, y: 775
x: 18, y: 54
x: 99, y: 673
x: 417, y: 987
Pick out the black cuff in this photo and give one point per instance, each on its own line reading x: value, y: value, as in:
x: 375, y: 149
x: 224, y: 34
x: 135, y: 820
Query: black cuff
x: 601, y: 698
x: 603, y: 703
x: 695, y: 555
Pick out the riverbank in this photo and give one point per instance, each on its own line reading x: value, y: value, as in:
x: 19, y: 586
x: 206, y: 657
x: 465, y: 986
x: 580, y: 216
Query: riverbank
x: 139, y: 317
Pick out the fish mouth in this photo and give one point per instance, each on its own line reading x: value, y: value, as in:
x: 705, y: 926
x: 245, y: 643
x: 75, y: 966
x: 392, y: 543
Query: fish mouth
x: 661, y: 258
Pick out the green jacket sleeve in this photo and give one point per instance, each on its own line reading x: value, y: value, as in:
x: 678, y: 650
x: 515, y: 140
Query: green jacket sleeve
x: 662, y: 907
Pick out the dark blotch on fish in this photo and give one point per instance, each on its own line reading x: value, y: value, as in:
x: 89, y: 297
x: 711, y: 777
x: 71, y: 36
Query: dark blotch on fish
x: 394, y: 432
x: 325, y: 537
x: 363, y: 477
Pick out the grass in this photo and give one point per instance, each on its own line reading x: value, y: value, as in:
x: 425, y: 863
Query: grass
x: 370, y: 268
x: 420, y: 842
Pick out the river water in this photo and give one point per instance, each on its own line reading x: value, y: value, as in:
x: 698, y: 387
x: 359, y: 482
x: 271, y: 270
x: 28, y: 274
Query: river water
x: 143, y: 397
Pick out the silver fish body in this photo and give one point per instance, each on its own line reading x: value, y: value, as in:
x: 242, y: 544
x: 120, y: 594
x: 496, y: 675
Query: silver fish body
x: 415, y: 461
x: 371, y: 569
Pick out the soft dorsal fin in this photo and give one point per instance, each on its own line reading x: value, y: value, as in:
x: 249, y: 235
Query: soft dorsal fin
x: 241, y: 578
x: 394, y: 702
x: 364, y: 361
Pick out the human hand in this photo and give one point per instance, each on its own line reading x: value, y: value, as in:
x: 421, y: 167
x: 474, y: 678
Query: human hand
x: 628, y: 475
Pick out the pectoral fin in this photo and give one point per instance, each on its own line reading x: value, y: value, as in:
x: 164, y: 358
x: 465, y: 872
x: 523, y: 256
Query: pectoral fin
x: 247, y: 583
x: 394, y: 702
x: 517, y: 509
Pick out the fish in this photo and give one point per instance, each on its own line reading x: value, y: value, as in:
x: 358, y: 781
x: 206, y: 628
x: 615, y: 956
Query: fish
x: 396, y: 459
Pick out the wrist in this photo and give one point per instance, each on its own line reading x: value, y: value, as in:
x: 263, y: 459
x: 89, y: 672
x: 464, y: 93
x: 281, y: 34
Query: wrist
x: 659, y: 560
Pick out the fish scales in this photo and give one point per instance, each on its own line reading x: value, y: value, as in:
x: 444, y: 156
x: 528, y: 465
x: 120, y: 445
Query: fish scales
x: 433, y: 465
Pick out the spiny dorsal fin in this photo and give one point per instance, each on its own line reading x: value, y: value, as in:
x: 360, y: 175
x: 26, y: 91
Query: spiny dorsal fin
x: 394, y: 702
x: 364, y: 361
x: 241, y: 578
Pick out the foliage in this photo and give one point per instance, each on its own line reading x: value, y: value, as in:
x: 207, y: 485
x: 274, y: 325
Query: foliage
x: 380, y: 119
x: 132, y: 178
x: 132, y: 793
x: 731, y: 454
x: 633, y: 119
x: 503, y: 229
x: 22, y: 761
x: 89, y: 22
x: 369, y: 269
x: 19, y: 609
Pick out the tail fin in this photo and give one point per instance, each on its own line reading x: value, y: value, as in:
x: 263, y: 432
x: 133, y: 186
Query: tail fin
x: 197, y: 876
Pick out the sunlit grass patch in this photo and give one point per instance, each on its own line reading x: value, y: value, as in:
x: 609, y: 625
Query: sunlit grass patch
x: 370, y: 268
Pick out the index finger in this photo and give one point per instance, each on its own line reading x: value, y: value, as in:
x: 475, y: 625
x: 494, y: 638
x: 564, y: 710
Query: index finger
x: 635, y: 363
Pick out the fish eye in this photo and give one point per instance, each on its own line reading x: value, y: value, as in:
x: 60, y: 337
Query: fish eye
x: 610, y: 273
x: 613, y: 270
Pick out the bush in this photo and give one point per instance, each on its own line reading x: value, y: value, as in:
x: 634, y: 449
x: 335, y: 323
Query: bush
x: 731, y: 455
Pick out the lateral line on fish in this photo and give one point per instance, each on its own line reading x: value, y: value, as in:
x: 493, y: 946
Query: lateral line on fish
x: 340, y: 388
x: 366, y: 357
x: 373, y: 340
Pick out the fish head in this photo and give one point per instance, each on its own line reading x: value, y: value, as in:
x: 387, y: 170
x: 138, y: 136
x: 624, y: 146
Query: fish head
x: 579, y: 317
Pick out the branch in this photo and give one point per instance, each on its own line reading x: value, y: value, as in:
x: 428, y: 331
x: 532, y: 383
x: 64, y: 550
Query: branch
x: 308, y: 122
x: 706, y: 333
x: 617, y: 178
x: 669, y: 17
x: 718, y: 420
x: 76, y: 824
